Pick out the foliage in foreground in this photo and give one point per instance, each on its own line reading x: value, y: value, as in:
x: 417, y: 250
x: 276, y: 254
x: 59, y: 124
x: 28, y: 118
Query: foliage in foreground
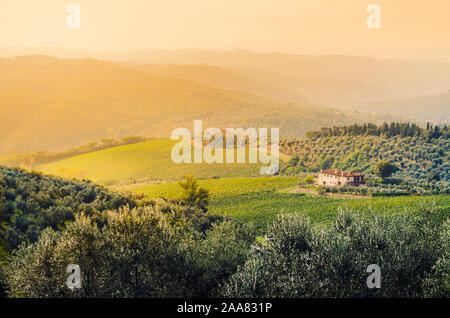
x: 144, y: 252
x: 306, y: 260
x: 31, y: 202
x: 193, y: 195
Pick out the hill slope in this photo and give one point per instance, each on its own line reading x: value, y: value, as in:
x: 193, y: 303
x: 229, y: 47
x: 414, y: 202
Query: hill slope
x: 434, y: 108
x: 31, y: 202
x: 260, y: 200
x: 224, y: 78
x: 341, y: 81
x: 358, y: 78
x: 141, y: 162
x: 303, y: 88
x: 333, y: 80
x: 51, y: 104
x: 338, y: 66
x: 423, y: 163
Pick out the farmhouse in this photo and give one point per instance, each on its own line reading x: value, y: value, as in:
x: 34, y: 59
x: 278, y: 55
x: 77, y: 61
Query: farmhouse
x: 337, y: 178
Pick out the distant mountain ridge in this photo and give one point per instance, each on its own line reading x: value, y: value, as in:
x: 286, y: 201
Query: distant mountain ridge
x: 220, y: 77
x: 52, y: 104
x: 433, y: 108
x: 329, y: 80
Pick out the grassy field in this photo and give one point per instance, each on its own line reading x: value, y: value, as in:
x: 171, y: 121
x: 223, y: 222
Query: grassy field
x: 236, y: 192
x: 141, y: 162
x: 259, y: 200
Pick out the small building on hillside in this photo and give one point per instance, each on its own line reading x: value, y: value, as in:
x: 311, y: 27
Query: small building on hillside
x: 338, y: 178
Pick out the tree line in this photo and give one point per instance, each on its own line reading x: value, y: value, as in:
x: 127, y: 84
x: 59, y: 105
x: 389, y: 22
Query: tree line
x: 385, y: 129
x: 33, y: 159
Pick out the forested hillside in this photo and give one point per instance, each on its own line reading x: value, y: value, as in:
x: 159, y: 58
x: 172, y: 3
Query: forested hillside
x: 225, y: 78
x: 182, y: 246
x: 316, y: 86
x: 174, y: 248
x: 50, y: 104
x: 31, y: 202
x: 421, y: 156
x: 328, y: 79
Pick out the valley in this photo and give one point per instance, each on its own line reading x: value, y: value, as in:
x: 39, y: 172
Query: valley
x: 86, y: 165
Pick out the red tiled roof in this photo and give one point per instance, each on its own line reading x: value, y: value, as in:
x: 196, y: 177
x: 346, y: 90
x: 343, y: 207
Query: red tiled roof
x: 336, y: 172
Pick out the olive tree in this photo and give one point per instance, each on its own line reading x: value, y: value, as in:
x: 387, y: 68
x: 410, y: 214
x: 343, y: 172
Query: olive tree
x: 384, y: 169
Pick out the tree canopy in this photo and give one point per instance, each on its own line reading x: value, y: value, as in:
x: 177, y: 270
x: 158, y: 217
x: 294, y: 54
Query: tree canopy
x: 193, y: 194
x: 384, y: 169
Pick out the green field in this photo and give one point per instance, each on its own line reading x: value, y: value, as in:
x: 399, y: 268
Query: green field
x: 259, y: 200
x: 140, y: 162
x: 237, y: 190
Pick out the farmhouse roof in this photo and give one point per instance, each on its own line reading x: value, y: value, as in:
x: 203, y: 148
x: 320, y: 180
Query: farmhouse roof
x: 336, y: 172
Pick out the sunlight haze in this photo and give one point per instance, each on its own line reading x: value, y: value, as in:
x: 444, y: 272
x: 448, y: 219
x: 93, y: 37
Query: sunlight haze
x: 411, y: 29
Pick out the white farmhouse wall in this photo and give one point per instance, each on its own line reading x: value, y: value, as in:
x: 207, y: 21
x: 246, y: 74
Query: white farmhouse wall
x: 336, y: 180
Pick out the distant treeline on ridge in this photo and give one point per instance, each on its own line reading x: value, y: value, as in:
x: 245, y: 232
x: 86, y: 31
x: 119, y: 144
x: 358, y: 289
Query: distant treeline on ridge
x: 385, y: 129
x: 33, y: 159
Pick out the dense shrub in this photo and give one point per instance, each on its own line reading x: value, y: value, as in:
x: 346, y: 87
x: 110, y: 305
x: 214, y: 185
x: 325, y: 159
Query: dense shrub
x: 138, y: 253
x: 31, y: 202
x: 136, y: 247
x: 2, y: 282
x: 306, y: 260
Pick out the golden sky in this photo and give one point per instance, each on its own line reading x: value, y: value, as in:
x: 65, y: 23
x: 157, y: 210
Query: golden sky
x: 410, y: 28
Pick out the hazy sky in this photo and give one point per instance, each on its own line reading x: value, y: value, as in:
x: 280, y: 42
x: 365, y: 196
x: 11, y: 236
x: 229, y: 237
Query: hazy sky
x: 410, y: 28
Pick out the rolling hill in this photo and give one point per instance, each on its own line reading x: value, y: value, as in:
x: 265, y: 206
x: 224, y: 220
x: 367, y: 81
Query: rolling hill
x: 224, y: 78
x: 301, y: 88
x: 334, y: 80
x: 401, y: 77
x: 260, y: 200
x: 52, y: 104
x: 141, y: 162
x: 434, y: 108
x: 331, y: 80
